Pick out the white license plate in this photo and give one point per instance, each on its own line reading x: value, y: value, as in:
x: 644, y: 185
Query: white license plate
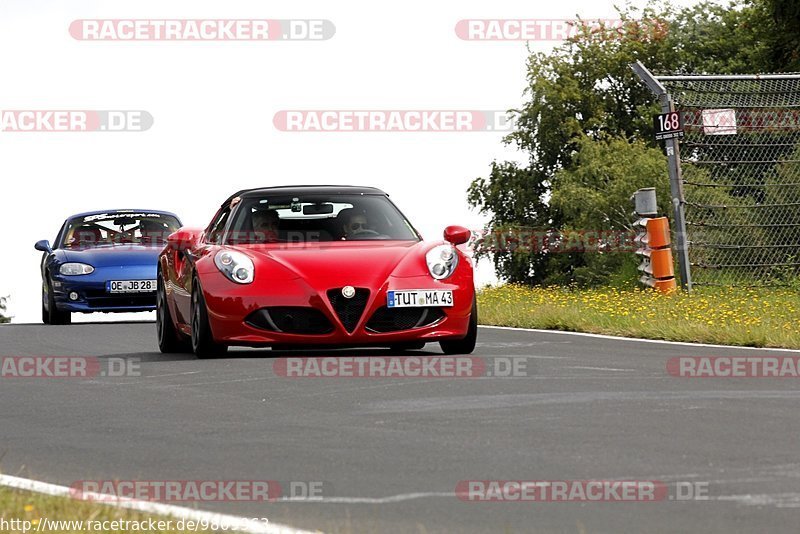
x: 416, y: 298
x: 132, y: 286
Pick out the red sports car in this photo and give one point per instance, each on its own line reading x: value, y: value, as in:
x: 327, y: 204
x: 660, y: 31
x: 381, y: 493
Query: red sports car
x: 314, y: 266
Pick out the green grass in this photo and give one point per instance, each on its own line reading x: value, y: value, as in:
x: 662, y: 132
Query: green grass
x: 727, y: 316
x: 33, y: 507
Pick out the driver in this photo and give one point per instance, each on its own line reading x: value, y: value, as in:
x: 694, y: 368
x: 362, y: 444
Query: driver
x: 357, y: 224
x: 152, y: 231
x: 86, y: 234
x: 265, y: 225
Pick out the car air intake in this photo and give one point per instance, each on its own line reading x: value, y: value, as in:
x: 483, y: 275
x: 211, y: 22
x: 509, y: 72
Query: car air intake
x: 291, y: 320
x: 395, y: 319
x: 349, y: 310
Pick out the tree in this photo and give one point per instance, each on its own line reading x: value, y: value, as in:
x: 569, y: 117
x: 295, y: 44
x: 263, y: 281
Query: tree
x: 3, y: 317
x: 515, y: 199
x: 784, y: 43
x: 594, y: 193
x: 587, y: 125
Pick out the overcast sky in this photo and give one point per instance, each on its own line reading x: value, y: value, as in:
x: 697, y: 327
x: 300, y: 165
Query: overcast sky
x: 213, y: 105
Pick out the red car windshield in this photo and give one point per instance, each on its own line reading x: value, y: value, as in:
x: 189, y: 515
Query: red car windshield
x: 313, y: 218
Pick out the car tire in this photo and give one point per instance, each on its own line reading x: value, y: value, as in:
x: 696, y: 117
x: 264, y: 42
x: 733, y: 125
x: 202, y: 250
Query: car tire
x: 170, y: 341
x: 467, y: 344
x: 45, y: 313
x: 203, y: 344
x: 54, y: 316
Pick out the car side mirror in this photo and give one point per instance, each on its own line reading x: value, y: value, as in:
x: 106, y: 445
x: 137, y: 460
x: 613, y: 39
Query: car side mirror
x: 183, y: 239
x: 43, y: 245
x: 457, y: 235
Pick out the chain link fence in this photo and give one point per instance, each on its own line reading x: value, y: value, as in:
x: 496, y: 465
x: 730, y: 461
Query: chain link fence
x: 740, y: 170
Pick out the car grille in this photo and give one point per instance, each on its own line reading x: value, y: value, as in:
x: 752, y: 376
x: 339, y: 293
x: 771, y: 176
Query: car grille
x: 99, y: 298
x: 395, y: 319
x: 349, y: 310
x: 123, y: 302
x: 290, y: 320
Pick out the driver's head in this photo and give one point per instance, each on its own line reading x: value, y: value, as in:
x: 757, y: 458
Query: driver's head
x: 356, y: 223
x: 266, y: 221
x: 87, y: 235
x: 152, y: 229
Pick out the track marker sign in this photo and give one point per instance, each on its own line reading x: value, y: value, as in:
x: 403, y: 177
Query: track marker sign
x: 668, y: 126
x: 719, y: 122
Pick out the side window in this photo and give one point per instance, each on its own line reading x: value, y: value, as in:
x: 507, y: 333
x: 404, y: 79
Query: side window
x: 61, y: 237
x: 218, y: 226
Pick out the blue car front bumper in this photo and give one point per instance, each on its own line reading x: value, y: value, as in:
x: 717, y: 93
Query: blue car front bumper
x: 93, y: 290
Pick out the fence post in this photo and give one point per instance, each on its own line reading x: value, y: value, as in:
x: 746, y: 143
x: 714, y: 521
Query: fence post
x: 675, y: 180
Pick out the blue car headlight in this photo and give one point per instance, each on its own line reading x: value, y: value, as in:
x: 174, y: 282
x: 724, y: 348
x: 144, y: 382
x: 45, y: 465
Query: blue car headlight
x: 75, y: 269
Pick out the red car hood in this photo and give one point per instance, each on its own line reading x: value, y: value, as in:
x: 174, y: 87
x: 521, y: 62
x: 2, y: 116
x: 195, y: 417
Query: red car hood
x: 337, y: 264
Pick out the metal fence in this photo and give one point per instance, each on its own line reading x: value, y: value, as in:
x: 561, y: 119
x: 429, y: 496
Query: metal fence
x: 738, y: 172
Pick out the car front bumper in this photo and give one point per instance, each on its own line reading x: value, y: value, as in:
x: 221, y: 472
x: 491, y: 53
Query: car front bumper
x: 230, y: 305
x: 93, y: 294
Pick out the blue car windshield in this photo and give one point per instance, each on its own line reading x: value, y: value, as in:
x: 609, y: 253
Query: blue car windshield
x: 118, y: 228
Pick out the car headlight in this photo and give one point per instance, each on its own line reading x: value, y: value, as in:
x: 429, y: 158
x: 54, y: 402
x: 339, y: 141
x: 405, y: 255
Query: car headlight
x: 235, y: 265
x: 442, y: 261
x: 75, y: 269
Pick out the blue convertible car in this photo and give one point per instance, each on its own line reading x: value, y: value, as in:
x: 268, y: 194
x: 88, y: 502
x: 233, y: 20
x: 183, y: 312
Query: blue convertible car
x: 103, y: 261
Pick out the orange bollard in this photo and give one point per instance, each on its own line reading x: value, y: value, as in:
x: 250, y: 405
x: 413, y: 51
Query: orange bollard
x: 658, y: 232
x: 658, y: 267
x: 661, y: 265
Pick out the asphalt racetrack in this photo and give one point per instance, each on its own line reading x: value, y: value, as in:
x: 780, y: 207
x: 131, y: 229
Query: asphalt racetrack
x: 389, y: 452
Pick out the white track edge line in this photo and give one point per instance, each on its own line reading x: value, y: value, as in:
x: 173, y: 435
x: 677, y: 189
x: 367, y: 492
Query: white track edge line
x: 635, y: 339
x: 243, y: 524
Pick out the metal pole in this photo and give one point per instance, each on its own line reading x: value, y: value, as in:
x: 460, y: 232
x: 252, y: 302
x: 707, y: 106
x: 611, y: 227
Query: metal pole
x: 675, y: 180
x: 678, y: 208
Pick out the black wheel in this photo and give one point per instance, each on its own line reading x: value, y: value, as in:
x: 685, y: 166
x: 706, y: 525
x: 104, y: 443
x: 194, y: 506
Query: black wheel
x: 467, y: 344
x: 203, y: 344
x: 169, y: 339
x: 45, y: 313
x: 54, y: 316
x: 411, y: 345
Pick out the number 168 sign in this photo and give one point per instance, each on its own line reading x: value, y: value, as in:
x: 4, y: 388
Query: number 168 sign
x: 668, y: 126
